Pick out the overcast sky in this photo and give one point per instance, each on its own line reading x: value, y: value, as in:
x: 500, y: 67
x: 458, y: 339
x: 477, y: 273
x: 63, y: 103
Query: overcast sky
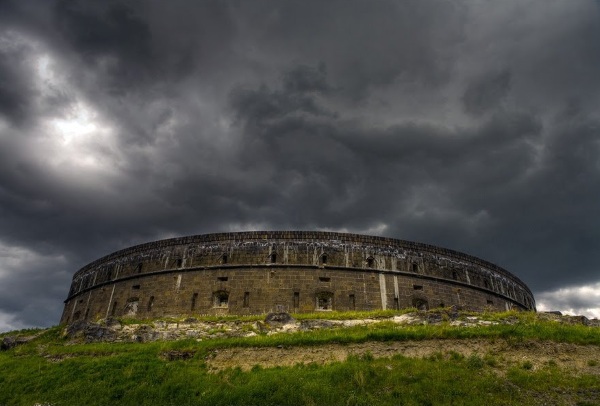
x: 473, y: 125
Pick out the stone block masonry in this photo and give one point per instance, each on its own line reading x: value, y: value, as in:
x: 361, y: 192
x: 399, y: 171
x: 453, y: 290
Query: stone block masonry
x: 259, y: 272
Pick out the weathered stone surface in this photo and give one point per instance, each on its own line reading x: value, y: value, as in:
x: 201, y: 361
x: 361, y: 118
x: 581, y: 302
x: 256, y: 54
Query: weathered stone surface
x: 316, y: 324
x: 145, y: 333
x: 285, y: 272
x: 92, y: 332
x: 11, y: 342
x: 279, y: 318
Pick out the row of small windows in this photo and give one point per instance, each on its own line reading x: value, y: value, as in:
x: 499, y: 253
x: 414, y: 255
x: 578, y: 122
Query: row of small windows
x: 323, y: 279
x: 220, y: 299
x: 323, y: 259
x: 106, y: 274
x: 503, y: 288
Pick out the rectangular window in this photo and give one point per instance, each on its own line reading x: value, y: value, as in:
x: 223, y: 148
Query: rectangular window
x: 246, y: 299
x: 296, y: 300
x: 135, y: 287
x: 194, y: 298
x: 352, y: 300
x: 417, y: 287
x: 396, y: 304
x: 325, y: 301
x: 223, y: 278
x: 324, y: 279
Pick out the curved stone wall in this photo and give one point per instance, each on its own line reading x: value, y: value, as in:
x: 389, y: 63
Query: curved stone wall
x: 295, y: 271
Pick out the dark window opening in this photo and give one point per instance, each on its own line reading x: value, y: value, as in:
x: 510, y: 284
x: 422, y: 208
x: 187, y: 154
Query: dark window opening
x: 223, y: 278
x: 194, y: 298
x: 135, y: 287
x: 415, y: 267
x: 221, y: 299
x: 420, y: 304
x: 486, y: 284
x: 370, y: 262
x: 325, y: 301
x: 418, y: 287
x: 352, y: 300
x: 246, y: 299
x: 324, y: 279
x: 396, y: 304
x: 139, y: 267
x: 150, y: 303
x: 77, y: 315
x: 224, y: 259
x: 490, y: 302
x: 442, y: 304
x: 179, y: 262
x: 114, y: 309
x: 454, y: 275
x: 323, y: 259
x: 296, y: 300
x: 273, y: 258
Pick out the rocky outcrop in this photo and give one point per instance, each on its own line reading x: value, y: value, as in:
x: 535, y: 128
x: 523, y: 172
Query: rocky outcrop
x: 112, y: 330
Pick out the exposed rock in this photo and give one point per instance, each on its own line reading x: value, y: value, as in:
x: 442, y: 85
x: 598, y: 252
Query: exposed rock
x: 275, y: 323
x: 577, y: 320
x: 110, y: 322
x: 145, y: 333
x: 175, y: 355
x: 316, y: 324
x: 92, y: 332
x: 279, y: 318
x: 556, y: 312
x: 11, y: 342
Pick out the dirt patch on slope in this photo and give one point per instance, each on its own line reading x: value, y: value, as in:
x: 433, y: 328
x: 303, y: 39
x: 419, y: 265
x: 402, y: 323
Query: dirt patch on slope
x: 578, y: 358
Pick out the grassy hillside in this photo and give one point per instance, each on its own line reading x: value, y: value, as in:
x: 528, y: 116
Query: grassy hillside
x: 515, y: 359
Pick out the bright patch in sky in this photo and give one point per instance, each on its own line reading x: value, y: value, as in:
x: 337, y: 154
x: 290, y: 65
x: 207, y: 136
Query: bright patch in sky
x: 575, y: 300
x: 78, y: 123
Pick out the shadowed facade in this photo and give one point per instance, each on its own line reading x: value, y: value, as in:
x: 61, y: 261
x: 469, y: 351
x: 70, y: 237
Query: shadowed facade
x: 294, y: 271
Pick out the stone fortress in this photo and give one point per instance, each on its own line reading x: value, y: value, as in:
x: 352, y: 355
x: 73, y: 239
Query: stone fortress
x: 259, y: 272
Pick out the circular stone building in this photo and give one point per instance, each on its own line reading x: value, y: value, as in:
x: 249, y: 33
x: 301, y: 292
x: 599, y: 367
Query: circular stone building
x: 294, y: 271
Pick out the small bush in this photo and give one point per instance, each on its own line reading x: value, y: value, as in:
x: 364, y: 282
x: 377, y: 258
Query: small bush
x: 456, y: 356
x: 490, y: 360
x: 475, y: 362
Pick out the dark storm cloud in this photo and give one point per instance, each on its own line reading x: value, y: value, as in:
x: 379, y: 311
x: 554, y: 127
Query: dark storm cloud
x: 486, y: 93
x: 15, y: 93
x: 470, y: 126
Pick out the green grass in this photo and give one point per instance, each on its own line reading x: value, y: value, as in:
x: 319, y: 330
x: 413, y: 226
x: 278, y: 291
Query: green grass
x: 50, y: 369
